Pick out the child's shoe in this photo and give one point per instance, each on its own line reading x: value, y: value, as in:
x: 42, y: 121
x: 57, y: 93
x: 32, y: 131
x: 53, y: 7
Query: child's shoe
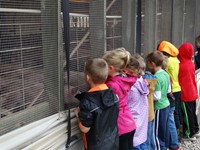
x: 174, y: 148
x: 189, y: 139
x: 197, y: 135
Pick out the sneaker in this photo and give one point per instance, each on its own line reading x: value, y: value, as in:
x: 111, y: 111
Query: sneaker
x: 197, y: 135
x: 189, y: 139
x: 174, y: 148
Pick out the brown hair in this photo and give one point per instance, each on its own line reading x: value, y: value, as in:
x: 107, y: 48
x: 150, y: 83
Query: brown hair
x: 165, y: 62
x: 119, y: 58
x: 97, y: 69
x: 133, y: 64
x: 198, y: 42
x: 141, y: 61
x: 156, y: 57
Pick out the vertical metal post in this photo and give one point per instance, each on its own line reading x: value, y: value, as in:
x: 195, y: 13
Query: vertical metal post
x: 172, y: 21
x: 183, y: 29
x: 66, y: 25
x: 149, y: 25
x: 22, y: 62
x: 139, y: 27
x: 49, y: 28
x: 156, y: 23
x: 177, y: 22
x: 97, y: 14
x: 129, y: 25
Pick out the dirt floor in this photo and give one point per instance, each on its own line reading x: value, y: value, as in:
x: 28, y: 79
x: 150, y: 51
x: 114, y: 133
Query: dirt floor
x: 188, y: 145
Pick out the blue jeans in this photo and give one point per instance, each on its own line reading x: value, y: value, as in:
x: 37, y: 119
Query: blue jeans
x: 150, y: 143
x: 173, y: 136
x: 142, y: 146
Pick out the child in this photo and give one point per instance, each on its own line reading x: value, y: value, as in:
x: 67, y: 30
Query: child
x: 170, y: 51
x: 137, y: 101
x: 161, y: 102
x: 173, y: 136
x: 121, y: 83
x: 97, y: 107
x: 197, y: 55
x: 189, y: 92
x: 151, y: 79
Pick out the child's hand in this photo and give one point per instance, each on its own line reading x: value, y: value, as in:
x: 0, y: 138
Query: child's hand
x: 77, y: 110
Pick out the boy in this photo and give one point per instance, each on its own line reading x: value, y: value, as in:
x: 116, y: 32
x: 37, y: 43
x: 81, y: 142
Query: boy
x: 161, y: 102
x: 173, y: 136
x: 170, y: 51
x: 98, y: 109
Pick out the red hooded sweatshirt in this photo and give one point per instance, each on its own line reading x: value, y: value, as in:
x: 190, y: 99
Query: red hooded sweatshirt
x: 187, y: 73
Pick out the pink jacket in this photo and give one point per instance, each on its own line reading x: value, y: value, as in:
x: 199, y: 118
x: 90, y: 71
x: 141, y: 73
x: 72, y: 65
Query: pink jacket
x: 121, y: 86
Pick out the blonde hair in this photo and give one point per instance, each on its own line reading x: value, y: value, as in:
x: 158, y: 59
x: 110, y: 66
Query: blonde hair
x: 198, y: 42
x: 97, y: 69
x: 142, y: 64
x: 119, y: 58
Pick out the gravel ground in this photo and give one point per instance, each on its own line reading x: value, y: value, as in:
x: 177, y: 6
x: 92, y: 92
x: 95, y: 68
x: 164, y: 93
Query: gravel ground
x: 188, y: 145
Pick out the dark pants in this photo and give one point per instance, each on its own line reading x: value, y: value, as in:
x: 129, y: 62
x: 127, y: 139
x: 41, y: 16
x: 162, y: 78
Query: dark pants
x: 190, y: 124
x: 162, y: 128
x: 126, y: 141
x: 177, y: 112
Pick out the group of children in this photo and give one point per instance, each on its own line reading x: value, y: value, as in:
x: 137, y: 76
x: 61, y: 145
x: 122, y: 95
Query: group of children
x: 139, y: 105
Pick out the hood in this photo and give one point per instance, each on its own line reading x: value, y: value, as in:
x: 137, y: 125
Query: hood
x: 104, y: 99
x: 186, y: 51
x: 142, y: 86
x: 168, y: 48
x: 125, y: 83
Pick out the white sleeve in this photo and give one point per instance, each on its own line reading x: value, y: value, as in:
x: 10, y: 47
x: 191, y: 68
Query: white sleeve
x: 157, y: 95
x: 169, y: 89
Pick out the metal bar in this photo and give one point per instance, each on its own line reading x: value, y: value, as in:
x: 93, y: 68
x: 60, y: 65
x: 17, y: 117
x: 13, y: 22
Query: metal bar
x: 22, y: 60
x: 139, y: 27
x: 18, y: 49
x: 75, y: 42
x: 172, y: 21
x: 110, y: 5
x: 36, y: 98
x: 85, y: 15
x: 20, y: 69
x: 114, y: 37
x: 11, y: 24
x: 78, y: 15
x: 156, y: 24
x: 113, y: 17
x: 183, y: 29
x: 195, y: 20
x: 87, y: 34
x: 66, y: 23
x: 15, y: 10
x: 79, y: 44
x: 59, y: 59
x: 39, y: 84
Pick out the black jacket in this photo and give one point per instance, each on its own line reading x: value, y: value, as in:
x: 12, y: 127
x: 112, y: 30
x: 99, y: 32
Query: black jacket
x: 99, y: 111
x: 197, y: 59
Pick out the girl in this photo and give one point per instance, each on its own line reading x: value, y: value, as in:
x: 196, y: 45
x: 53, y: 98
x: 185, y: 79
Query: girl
x: 121, y: 83
x: 138, y: 103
